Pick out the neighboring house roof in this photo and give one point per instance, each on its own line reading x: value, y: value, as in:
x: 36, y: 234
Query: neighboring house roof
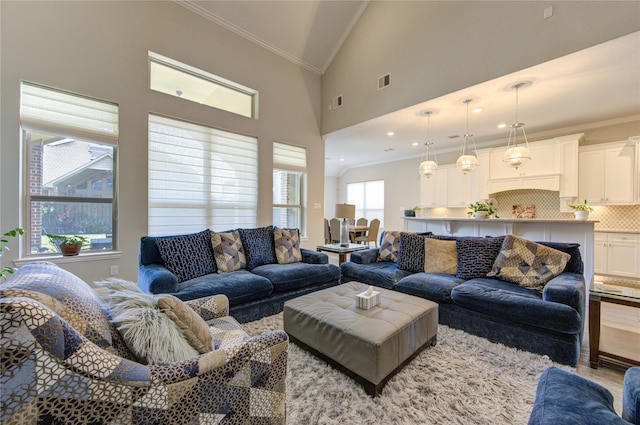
x: 81, y: 174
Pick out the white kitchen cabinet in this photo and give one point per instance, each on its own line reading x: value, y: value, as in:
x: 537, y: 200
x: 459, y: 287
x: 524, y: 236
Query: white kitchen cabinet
x: 607, y: 174
x: 617, y: 254
x: 433, y: 189
x: 544, y: 160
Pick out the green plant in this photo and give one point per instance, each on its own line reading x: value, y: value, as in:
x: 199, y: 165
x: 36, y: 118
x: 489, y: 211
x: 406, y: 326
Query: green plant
x: 11, y: 233
x: 68, y: 239
x: 488, y: 207
x: 581, y: 207
x: 417, y: 208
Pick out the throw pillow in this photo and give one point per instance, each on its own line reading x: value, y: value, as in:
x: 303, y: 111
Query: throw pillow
x: 228, y: 251
x: 411, y: 252
x: 287, y: 245
x: 476, y: 255
x: 528, y: 263
x: 258, y: 246
x: 148, y: 332
x: 188, y: 256
x: 193, y: 327
x: 440, y: 256
x: 389, y: 246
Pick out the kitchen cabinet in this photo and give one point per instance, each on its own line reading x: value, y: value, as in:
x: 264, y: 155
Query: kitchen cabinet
x: 607, y: 174
x: 433, y: 189
x: 617, y: 254
x: 544, y: 160
x: 448, y: 187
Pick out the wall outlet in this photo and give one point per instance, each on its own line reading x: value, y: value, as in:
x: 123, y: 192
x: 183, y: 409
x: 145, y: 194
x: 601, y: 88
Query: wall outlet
x: 113, y: 271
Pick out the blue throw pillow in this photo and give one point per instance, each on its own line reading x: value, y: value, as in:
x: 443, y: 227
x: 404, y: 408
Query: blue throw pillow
x: 411, y: 252
x: 258, y: 246
x: 476, y: 255
x: 188, y: 256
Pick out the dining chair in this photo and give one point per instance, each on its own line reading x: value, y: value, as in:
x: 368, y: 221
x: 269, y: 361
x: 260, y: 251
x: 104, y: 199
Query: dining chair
x: 362, y: 222
x: 372, y: 233
x: 334, y: 230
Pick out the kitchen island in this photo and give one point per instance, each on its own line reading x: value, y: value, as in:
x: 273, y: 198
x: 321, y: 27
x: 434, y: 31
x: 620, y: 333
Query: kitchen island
x: 548, y: 230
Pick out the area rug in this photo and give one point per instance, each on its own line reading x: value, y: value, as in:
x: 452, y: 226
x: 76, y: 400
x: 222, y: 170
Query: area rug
x: 464, y: 379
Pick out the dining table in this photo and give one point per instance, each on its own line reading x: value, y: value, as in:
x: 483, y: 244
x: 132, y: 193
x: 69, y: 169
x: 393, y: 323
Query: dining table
x: 355, y: 231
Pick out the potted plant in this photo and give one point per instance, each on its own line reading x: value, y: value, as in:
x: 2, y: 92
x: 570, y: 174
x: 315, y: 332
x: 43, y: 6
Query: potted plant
x: 581, y: 211
x: 11, y: 233
x: 68, y: 244
x: 482, y: 209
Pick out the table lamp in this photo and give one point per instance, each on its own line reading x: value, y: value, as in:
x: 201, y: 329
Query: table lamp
x: 345, y: 211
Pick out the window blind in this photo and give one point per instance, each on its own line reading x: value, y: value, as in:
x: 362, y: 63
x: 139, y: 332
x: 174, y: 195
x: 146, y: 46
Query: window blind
x: 289, y: 157
x: 56, y: 112
x: 200, y: 177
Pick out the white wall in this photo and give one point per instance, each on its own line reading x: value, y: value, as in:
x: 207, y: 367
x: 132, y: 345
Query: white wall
x: 100, y: 49
x: 432, y: 48
x: 330, y: 196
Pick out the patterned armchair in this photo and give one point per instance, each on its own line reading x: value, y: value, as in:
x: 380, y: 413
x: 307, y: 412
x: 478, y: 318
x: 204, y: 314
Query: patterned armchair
x: 64, y: 362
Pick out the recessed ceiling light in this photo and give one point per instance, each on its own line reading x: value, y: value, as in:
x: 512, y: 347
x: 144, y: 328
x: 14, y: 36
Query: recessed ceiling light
x: 414, y: 144
x: 477, y: 110
x: 341, y: 159
x: 502, y: 125
x: 391, y: 133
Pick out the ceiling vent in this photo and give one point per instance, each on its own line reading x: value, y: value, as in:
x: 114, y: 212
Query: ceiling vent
x: 384, y: 81
x: 453, y: 136
x: 337, y: 102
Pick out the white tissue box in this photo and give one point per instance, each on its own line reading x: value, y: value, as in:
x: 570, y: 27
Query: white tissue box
x: 366, y: 301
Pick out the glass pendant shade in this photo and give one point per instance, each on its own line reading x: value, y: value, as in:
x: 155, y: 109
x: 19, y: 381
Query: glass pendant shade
x: 427, y: 168
x: 515, y: 156
x: 467, y: 163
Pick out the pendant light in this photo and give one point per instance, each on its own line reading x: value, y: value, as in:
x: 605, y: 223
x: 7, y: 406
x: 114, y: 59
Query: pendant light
x: 515, y: 155
x: 428, y: 167
x: 467, y: 162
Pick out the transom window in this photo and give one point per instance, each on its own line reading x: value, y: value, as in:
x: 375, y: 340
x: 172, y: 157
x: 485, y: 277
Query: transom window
x: 178, y: 79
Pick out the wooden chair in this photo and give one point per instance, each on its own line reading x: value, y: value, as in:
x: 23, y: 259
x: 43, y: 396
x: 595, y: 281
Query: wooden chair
x: 334, y: 230
x: 372, y: 233
x: 362, y: 222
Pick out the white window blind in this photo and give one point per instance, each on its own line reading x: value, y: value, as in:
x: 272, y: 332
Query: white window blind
x: 200, y: 177
x: 287, y: 157
x: 48, y: 110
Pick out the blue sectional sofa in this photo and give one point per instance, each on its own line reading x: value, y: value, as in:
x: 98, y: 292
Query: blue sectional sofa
x: 549, y: 321
x: 257, y: 289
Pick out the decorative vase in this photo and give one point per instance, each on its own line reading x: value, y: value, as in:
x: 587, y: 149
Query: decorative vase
x: 69, y: 250
x: 480, y: 214
x: 581, y: 215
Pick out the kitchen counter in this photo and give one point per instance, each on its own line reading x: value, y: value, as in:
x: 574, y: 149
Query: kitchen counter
x: 504, y: 220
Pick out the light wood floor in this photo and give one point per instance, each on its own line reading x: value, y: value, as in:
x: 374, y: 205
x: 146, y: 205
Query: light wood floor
x: 609, y: 376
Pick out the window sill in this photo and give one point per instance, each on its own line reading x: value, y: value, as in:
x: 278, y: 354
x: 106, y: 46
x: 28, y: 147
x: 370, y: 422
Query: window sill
x: 60, y: 259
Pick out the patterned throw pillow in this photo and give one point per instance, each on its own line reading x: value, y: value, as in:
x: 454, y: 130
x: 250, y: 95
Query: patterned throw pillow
x: 528, y: 263
x: 228, y: 251
x: 476, y: 255
x: 258, y: 246
x: 193, y: 327
x: 287, y: 245
x: 188, y: 256
x: 389, y: 246
x: 440, y: 256
x: 411, y: 252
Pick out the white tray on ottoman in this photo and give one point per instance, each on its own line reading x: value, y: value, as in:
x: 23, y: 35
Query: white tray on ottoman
x: 368, y: 345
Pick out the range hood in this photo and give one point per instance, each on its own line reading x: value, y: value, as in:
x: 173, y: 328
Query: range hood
x: 546, y: 182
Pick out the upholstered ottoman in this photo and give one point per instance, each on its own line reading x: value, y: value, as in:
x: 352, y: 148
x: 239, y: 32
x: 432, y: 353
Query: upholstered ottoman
x: 368, y: 345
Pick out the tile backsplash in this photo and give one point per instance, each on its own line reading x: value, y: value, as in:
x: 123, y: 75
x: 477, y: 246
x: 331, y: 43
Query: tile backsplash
x: 547, y: 206
x: 547, y: 203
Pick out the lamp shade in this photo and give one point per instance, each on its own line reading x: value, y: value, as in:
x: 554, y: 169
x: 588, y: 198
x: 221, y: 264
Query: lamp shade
x: 345, y: 211
x: 516, y: 156
x: 467, y: 162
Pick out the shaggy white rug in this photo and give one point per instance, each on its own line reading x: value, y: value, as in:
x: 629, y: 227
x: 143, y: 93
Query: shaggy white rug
x: 464, y: 379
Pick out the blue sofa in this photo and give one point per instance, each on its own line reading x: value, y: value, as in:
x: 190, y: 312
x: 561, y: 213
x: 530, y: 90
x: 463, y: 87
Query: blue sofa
x: 253, y: 293
x: 566, y: 398
x: 550, y: 322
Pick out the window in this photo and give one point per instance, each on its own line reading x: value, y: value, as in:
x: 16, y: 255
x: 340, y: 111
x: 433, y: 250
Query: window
x: 368, y: 198
x: 70, y: 146
x: 289, y: 186
x: 184, y: 81
x: 200, y: 178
